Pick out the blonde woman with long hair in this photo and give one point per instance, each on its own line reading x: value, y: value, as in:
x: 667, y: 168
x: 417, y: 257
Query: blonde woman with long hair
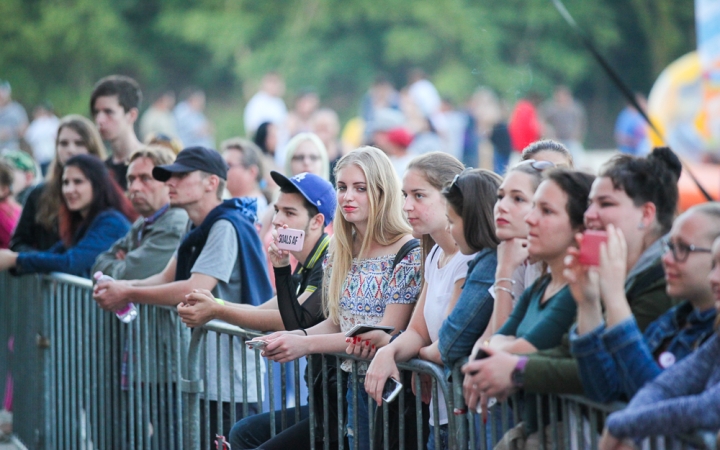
x: 361, y: 285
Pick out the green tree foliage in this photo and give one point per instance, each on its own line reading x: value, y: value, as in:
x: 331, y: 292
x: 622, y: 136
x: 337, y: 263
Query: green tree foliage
x: 57, y: 49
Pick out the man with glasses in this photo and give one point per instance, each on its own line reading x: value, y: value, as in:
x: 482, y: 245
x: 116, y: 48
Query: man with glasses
x: 616, y: 359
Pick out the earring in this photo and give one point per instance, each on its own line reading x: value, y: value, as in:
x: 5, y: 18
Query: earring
x: 641, y: 226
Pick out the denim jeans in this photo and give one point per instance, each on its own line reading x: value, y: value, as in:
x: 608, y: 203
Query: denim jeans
x: 254, y: 431
x: 224, y: 420
x: 442, y: 432
x: 362, y: 433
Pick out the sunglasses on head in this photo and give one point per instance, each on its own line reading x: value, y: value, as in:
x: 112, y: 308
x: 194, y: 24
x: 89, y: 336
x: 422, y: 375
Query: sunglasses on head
x: 537, y: 165
x: 457, y: 176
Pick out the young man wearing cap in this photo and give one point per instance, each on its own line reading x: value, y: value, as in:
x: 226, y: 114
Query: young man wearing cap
x: 306, y: 202
x: 209, y: 257
x: 114, y: 104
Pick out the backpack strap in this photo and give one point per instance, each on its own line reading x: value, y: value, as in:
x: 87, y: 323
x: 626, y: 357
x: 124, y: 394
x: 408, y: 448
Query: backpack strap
x: 407, y: 247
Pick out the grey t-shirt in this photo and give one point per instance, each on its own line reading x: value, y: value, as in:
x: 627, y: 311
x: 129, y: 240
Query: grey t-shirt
x: 219, y: 259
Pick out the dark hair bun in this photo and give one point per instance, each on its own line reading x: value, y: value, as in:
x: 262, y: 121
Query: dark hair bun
x: 668, y: 158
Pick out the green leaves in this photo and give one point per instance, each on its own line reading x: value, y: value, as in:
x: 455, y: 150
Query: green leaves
x: 57, y: 49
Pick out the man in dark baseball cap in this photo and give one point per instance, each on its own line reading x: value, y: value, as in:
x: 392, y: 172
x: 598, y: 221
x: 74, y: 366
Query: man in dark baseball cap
x: 192, y: 159
x: 221, y: 253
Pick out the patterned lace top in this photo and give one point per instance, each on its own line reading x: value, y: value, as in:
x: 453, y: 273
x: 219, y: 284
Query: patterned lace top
x: 371, y: 285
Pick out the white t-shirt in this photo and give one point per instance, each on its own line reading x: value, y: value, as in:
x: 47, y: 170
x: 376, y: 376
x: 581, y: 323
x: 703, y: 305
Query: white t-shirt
x: 440, y: 283
x: 264, y: 107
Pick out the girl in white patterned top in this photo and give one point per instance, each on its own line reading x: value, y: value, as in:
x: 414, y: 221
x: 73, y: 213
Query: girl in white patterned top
x: 445, y: 271
x: 362, y: 287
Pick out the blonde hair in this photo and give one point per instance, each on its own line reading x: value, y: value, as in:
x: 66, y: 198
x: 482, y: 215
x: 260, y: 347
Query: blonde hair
x: 293, y: 145
x: 386, y: 221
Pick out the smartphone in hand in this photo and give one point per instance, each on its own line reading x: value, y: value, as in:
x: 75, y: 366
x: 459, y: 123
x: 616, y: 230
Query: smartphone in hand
x: 360, y: 329
x: 259, y: 345
x: 391, y: 389
x: 590, y: 247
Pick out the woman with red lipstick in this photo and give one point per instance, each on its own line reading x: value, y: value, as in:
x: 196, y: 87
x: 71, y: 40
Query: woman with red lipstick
x: 362, y: 284
x: 445, y: 271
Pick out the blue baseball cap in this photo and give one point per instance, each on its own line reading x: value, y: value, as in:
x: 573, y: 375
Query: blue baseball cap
x: 315, y: 189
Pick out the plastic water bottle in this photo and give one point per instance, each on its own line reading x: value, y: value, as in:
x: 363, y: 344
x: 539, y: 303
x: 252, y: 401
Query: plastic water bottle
x: 127, y: 314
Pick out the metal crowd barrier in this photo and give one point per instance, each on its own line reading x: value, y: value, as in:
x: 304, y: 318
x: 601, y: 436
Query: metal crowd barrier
x: 564, y: 422
x: 200, y: 434
x: 84, y: 380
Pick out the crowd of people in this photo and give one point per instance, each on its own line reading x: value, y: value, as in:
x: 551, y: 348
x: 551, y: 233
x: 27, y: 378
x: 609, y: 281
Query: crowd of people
x: 399, y: 232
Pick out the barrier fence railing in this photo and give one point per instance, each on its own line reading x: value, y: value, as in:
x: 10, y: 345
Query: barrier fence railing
x: 84, y: 380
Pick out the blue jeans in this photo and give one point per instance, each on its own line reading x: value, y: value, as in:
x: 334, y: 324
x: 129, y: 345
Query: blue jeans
x: 494, y: 424
x: 442, y: 431
x: 362, y: 433
x: 254, y: 431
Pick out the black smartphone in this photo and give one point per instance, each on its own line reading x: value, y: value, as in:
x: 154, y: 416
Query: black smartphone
x: 481, y: 354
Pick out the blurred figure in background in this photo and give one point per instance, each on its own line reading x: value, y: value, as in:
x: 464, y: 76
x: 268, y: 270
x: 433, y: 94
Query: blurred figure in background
x: 423, y: 92
x: 193, y: 127
x: 246, y: 170
x: 267, y: 105
x: 266, y: 139
x: 566, y: 122
x: 9, y: 208
x: 380, y: 97
x: 631, y: 130
x: 300, y: 118
x: 396, y: 147
x: 451, y: 124
x: 13, y: 118
x: 24, y: 171
x: 493, y: 137
x: 326, y: 125
x: 306, y: 153
x: 159, y: 119
x: 41, y: 134
x: 524, y: 125
x: 163, y: 140
x: 38, y: 226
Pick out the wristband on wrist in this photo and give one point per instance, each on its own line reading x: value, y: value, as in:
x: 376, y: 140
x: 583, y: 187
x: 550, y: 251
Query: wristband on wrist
x: 512, y: 294
x: 220, y: 301
x: 518, y: 374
